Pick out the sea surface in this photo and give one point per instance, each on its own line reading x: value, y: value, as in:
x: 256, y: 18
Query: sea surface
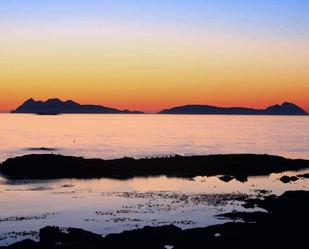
x: 107, y: 206
x: 114, y: 136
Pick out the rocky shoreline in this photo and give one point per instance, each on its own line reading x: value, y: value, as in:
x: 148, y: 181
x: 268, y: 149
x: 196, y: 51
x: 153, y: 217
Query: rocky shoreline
x: 238, y: 166
x: 282, y: 226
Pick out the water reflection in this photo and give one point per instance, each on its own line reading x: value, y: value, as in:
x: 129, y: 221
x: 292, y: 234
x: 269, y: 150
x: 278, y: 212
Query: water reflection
x: 107, y: 206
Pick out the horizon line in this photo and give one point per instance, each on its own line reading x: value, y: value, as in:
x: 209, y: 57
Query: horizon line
x: 168, y: 107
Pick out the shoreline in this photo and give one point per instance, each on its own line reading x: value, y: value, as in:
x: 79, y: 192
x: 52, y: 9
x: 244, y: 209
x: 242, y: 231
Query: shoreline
x: 279, y: 220
x: 281, y: 226
x: 238, y: 166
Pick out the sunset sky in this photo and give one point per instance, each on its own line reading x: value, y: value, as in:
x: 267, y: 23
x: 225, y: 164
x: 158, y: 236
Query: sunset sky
x: 153, y: 54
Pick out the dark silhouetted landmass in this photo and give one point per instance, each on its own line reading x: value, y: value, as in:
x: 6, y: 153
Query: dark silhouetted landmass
x: 284, y: 109
x: 284, y: 226
x: 51, y: 166
x: 56, y: 106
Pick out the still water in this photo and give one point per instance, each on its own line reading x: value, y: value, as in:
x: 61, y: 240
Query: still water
x: 114, y: 136
x: 108, y: 206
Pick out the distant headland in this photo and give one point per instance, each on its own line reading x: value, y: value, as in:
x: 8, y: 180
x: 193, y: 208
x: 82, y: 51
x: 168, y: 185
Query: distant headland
x: 56, y: 106
x: 284, y: 109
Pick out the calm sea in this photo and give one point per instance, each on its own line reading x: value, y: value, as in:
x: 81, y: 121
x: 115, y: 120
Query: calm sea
x: 114, y: 136
x: 109, y: 206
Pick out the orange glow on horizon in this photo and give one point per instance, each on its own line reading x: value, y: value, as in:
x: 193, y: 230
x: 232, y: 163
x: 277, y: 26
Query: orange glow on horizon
x: 154, y: 107
x: 138, y: 71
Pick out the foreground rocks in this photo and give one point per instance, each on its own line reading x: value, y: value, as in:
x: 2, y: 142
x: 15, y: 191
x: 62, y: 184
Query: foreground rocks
x: 240, y: 178
x: 303, y: 176
x: 287, y: 179
x: 240, y: 166
x: 285, y: 225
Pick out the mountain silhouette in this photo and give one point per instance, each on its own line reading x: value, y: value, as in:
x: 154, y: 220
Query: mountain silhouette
x: 285, y: 109
x: 57, y: 106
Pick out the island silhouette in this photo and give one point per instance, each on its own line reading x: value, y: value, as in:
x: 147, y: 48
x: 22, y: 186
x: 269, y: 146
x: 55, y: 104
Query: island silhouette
x: 284, y: 109
x: 56, y: 106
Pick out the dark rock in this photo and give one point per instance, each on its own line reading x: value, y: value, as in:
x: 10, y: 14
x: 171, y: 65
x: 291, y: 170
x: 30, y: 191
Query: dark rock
x: 303, y: 176
x: 241, y: 178
x: 51, y: 236
x: 284, y: 226
x: 294, y: 178
x: 245, y: 216
x: 226, y: 178
x: 56, y: 166
x: 287, y: 179
x: 25, y: 244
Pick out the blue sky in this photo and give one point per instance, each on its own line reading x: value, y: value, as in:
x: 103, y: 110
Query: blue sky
x: 276, y: 17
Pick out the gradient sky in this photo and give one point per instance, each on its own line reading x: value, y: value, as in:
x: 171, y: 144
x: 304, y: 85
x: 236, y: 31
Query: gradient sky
x: 153, y: 54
